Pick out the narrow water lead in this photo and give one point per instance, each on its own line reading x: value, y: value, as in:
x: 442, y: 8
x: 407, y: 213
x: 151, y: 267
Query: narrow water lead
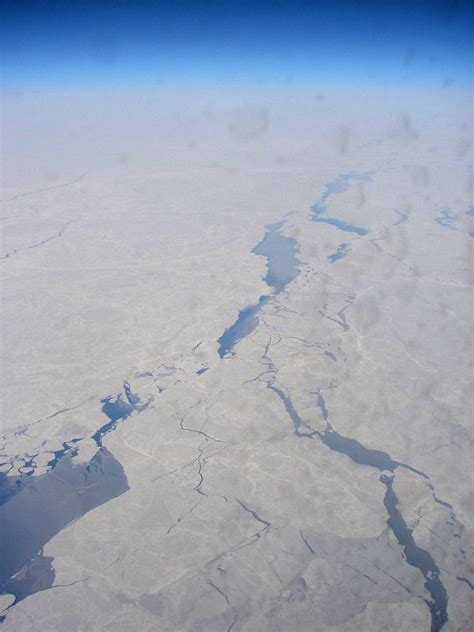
x: 282, y: 269
x: 245, y: 324
x: 339, y: 185
x: 419, y: 558
x: 118, y: 409
x: 414, y: 555
x: 358, y: 453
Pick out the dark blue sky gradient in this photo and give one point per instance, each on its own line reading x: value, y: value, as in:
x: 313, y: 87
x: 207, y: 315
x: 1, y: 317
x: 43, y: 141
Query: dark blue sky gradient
x: 55, y: 43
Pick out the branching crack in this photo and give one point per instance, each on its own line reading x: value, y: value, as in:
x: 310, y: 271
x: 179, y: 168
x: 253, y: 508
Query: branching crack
x: 221, y: 592
x: 36, y: 245
x: 466, y: 581
x: 307, y: 544
x: 181, y: 518
x: 199, y: 432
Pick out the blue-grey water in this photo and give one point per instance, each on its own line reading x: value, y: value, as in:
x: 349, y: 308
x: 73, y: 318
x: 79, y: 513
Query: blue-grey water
x: 38, y: 574
x: 418, y: 558
x: 246, y: 323
x: 341, y: 252
x: 280, y: 252
x: 282, y: 263
x: 415, y: 556
x: 282, y: 268
x: 51, y: 501
x: 42, y: 509
x: 116, y: 408
x: 380, y: 460
x: 339, y: 185
x: 356, y: 451
x: 445, y: 218
x: 34, y: 508
x: 12, y: 485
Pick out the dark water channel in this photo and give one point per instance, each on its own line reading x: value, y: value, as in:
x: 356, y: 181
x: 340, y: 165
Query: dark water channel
x: 282, y: 268
x: 55, y: 499
x: 414, y: 555
x: 282, y: 262
x: 246, y: 322
x: 36, y: 508
x: 339, y: 185
x: 359, y: 454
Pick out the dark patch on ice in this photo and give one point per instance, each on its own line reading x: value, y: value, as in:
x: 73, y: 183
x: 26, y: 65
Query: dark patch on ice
x: 445, y: 218
x: 341, y: 252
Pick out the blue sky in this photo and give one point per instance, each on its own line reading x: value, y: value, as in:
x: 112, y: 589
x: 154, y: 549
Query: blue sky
x: 60, y: 42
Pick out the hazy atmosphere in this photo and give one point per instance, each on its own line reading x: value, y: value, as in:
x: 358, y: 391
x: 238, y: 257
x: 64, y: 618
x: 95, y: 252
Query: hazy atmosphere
x: 237, y: 317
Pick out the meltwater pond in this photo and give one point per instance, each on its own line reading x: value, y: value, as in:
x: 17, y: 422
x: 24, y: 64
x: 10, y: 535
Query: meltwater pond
x: 282, y: 268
